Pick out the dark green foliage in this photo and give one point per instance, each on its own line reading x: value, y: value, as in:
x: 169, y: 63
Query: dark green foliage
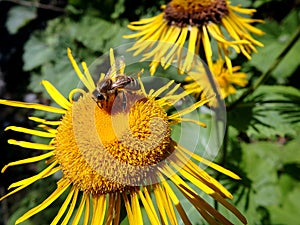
x: 262, y: 139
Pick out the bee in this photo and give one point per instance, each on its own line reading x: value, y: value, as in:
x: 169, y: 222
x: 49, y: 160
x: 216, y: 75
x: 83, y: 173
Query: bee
x: 114, y: 84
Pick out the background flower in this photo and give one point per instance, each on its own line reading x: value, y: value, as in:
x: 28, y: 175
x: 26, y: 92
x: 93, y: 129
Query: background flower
x: 197, y: 22
x: 226, y: 80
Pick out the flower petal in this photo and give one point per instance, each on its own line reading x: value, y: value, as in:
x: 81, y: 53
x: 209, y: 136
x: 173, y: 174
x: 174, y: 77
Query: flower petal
x: 99, y: 208
x: 28, y: 160
x: 32, y: 106
x: 26, y: 144
x: 80, y: 209
x: 64, y: 206
x: 31, y: 131
x: 43, y: 121
x: 82, y: 77
x: 56, y: 95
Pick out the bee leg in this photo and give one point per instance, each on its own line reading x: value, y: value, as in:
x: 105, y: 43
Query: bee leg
x: 99, y: 105
x: 124, y: 100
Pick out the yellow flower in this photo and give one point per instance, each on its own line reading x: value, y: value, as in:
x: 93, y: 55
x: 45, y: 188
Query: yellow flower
x: 225, y: 80
x: 162, y: 38
x: 111, y: 155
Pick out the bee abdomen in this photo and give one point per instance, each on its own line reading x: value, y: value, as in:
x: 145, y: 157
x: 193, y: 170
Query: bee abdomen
x: 133, y: 84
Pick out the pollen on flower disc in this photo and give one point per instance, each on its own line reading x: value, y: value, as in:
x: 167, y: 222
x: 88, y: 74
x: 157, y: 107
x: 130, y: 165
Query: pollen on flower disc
x: 104, y: 152
x: 195, y: 12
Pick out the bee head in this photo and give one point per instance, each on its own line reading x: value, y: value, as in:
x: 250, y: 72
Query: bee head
x: 97, y: 96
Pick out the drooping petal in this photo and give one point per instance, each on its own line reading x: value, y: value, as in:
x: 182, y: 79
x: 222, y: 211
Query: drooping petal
x: 175, y: 200
x: 28, y: 160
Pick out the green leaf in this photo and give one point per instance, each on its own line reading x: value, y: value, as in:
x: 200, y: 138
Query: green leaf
x: 288, y: 211
x: 18, y: 17
x: 61, y: 75
x: 258, y: 3
x: 275, y: 39
x: 36, y: 53
x: 269, y: 111
x: 88, y: 32
x: 119, y: 9
x: 17, y: 214
x: 264, y: 163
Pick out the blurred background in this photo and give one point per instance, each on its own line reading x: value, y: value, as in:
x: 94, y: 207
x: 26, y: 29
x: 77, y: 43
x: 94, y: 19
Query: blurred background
x: 263, y: 139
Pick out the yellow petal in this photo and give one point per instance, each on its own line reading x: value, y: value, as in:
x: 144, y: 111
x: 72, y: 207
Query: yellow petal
x: 111, y: 208
x: 87, y: 210
x: 64, y: 206
x: 80, y: 209
x: 180, y: 120
x: 206, y: 210
x: 177, y: 203
x: 146, y: 20
x: 56, y: 95
x: 48, y: 129
x: 26, y: 182
x: 136, y: 209
x: 210, y: 164
x: 31, y: 131
x: 151, y: 214
x: 32, y: 106
x: 162, y: 89
x: 118, y: 209
x: 191, y: 49
x: 99, y: 209
x: 43, y: 121
x: 163, y: 206
x: 179, y: 43
x: 48, y: 171
x: 207, y: 47
x: 28, y: 160
x: 188, y: 109
x: 160, y: 207
x: 71, y: 208
x: 88, y: 76
x: 81, y: 76
x: 242, y: 10
x: 128, y: 209
x: 31, y: 145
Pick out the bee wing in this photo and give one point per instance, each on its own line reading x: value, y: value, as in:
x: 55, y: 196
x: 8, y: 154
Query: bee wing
x: 117, y: 67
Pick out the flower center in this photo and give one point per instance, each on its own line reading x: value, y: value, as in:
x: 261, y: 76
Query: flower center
x: 195, y: 12
x: 103, y: 152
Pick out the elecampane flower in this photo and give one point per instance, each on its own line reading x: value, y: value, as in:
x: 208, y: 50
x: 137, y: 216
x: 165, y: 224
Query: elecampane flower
x: 197, y: 22
x: 106, y: 153
x: 225, y: 79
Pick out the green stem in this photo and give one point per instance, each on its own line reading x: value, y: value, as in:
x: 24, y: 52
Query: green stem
x: 266, y: 74
x: 224, y: 148
x: 223, y: 159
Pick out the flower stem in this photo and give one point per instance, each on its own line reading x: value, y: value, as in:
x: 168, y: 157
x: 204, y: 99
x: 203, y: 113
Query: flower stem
x: 266, y: 74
